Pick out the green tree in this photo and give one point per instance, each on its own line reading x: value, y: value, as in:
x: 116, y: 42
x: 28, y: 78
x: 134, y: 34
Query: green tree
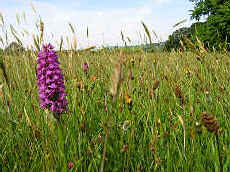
x: 215, y: 31
x: 173, y: 41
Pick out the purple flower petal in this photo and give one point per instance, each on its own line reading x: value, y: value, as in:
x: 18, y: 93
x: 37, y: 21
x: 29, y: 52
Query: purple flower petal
x: 51, y: 81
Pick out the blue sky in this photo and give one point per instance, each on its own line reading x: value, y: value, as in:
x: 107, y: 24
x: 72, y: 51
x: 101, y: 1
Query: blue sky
x: 105, y: 19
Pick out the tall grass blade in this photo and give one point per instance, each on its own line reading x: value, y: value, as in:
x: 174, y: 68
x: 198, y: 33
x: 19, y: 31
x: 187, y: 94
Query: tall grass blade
x: 14, y: 33
x: 1, y: 40
x: 13, y: 30
x: 3, y: 67
x: 61, y: 43
x: 32, y: 6
x: 6, y: 37
x: 36, y: 43
x: 2, y: 19
x: 201, y: 46
x: 183, y: 125
x: 87, y: 32
x: 18, y: 19
x: 147, y: 32
x: 72, y: 28
x: 75, y: 42
x: 24, y: 16
x: 155, y: 34
x: 68, y: 42
x: 26, y: 32
x: 41, y: 31
x: 122, y: 36
x: 128, y: 38
x: 179, y: 23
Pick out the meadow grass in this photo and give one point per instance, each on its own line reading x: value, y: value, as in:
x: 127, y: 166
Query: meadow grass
x: 154, y: 125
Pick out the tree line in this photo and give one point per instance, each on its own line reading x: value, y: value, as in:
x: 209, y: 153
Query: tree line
x: 214, y: 31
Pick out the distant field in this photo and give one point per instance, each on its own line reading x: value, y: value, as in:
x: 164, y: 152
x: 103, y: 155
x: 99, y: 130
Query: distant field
x: 154, y: 124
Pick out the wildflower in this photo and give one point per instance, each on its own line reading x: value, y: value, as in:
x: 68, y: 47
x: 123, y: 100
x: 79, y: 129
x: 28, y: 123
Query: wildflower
x: 51, y: 82
x: 93, y: 78
x: 132, y: 61
x: 126, y: 125
x: 70, y: 165
x: 154, y: 60
x: 85, y: 67
x: 128, y: 99
x: 100, y: 138
x: 187, y: 71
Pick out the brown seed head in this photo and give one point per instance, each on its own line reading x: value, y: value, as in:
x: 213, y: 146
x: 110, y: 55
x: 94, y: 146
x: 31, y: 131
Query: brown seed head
x: 156, y: 84
x: 210, y: 122
x: 125, y: 148
x: 41, y: 26
x: 178, y: 93
x: 82, y: 126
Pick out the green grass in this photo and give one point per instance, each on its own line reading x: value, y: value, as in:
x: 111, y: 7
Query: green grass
x: 154, y: 137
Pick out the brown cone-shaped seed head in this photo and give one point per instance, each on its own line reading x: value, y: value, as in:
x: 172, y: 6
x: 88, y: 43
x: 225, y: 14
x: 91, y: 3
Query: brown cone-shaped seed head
x: 210, y: 122
x: 156, y: 84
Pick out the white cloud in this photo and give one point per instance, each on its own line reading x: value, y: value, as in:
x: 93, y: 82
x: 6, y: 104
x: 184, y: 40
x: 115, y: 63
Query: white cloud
x: 104, y: 25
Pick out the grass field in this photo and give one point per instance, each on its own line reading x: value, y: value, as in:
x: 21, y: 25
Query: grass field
x: 154, y: 124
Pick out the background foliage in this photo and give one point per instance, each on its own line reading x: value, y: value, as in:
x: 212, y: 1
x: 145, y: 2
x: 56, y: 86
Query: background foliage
x: 213, y: 31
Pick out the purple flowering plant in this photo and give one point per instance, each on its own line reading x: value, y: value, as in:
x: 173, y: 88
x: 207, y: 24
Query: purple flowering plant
x: 85, y: 67
x: 51, y: 82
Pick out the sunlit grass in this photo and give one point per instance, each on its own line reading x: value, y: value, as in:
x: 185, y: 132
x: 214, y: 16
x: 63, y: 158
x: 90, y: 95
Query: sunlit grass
x: 145, y: 128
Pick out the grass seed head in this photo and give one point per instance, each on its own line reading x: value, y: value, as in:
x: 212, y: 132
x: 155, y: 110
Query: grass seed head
x: 210, y: 122
x: 156, y: 84
x: 178, y: 93
x: 41, y: 27
x: 125, y: 148
x: 131, y: 77
x: 75, y: 42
